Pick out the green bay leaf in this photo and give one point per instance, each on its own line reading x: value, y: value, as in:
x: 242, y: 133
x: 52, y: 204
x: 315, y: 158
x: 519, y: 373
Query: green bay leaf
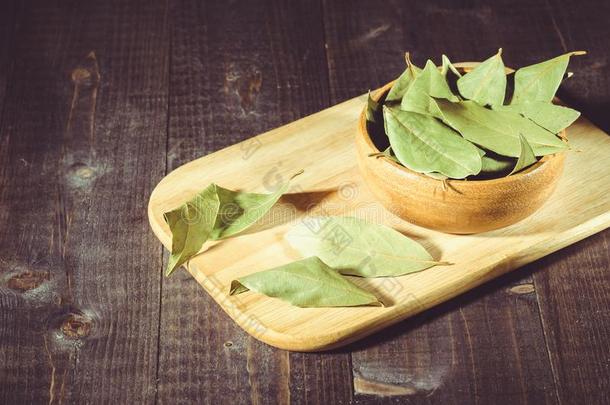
x: 424, y: 144
x: 373, y: 109
x: 355, y: 247
x: 447, y: 66
x: 404, y: 81
x: 191, y: 225
x: 526, y: 156
x: 540, y: 82
x: 498, y: 131
x: 430, y: 82
x: 549, y: 116
x: 239, y: 210
x: 387, y: 153
x: 486, y: 83
x: 305, y: 283
x: 495, y: 165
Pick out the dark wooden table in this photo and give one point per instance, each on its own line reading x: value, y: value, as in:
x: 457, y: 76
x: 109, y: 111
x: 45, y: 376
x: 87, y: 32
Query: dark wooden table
x: 100, y: 99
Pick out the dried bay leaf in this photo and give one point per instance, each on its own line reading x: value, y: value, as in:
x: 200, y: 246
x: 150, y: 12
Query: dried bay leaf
x: 239, y: 210
x: 387, y: 153
x: 305, y: 283
x: 447, y: 66
x: 498, y: 131
x: 540, y: 82
x: 549, y: 116
x: 486, y: 83
x: 424, y: 144
x: 191, y: 225
x: 494, y: 164
x: 355, y: 247
x: 430, y: 83
x: 214, y: 213
x: 373, y: 110
x: 526, y: 156
x: 404, y: 81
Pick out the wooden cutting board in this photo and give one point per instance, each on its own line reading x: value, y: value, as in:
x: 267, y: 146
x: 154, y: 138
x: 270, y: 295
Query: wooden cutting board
x: 322, y: 144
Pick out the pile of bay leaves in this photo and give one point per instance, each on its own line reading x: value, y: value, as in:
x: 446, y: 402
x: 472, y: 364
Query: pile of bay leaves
x: 446, y: 124
x: 332, y: 248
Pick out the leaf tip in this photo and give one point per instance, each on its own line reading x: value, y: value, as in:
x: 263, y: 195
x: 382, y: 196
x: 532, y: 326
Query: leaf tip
x: 378, y: 303
x: 297, y: 174
x: 237, y: 288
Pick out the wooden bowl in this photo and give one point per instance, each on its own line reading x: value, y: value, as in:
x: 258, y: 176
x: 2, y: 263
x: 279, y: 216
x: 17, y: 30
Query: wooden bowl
x: 463, y: 206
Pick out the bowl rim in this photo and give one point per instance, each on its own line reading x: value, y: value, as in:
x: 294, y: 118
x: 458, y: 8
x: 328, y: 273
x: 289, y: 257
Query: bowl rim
x: 506, y: 179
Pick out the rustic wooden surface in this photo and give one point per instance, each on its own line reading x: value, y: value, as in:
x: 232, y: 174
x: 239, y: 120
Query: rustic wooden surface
x: 85, y: 316
x: 325, y: 146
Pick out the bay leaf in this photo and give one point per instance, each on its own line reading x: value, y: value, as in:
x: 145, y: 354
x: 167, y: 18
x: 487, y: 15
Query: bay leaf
x: 373, y: 109
x: 404, y: 81
x: 387, y: 153
x: 549, y: 116
x: 437, y: 176
x: 526, y: 156
x: 494, y: 164
x: 540, y: 82
x: 424, y: 144
x: 430, y: 83
x: 496, y: 130
x: 191, y: 225
x: 447, y: 66
x: 355, y: 247
x: 239, y: 210
x: 486, y: 83
x: 305, y: 283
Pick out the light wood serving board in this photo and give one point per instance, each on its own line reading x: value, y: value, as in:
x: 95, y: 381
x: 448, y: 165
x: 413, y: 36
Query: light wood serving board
x: 323, y: 145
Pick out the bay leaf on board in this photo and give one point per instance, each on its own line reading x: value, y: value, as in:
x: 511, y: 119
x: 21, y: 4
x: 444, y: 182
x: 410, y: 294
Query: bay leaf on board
x: 424, y: 144
x: 191, y: 225
x: 356, y: 247
x: 305, y: 283
x: 540, y: 82
x: 496, y: 130
x: 486, y: 83
x: 239, y: 210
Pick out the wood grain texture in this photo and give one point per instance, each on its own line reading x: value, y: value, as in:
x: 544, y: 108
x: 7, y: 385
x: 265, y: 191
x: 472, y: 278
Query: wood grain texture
x: 574, y: 288
x: 238, y: 69
x: 577, y: 209
x: 537, y: 335
x: 474, y: 31
x: 83, y: 132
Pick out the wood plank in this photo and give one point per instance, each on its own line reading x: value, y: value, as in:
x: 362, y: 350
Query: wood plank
x: 382, y: 33
x: 574, y: 300
x: 574, y: 288
x: 80, y: 302
x: 239, y: 69
x: 578, y: 208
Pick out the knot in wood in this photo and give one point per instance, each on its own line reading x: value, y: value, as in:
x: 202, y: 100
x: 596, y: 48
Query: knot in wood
x: 76, y: 326
x: 27, y: 280
x: 80, y: 75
